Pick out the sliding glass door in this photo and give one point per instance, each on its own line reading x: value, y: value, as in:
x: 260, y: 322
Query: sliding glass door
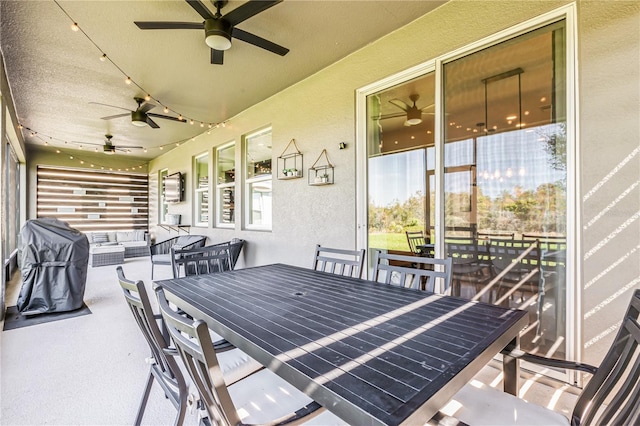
x: 501, y: 167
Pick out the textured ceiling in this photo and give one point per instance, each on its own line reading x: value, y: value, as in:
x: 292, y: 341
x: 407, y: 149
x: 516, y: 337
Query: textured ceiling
x: 55, y: 73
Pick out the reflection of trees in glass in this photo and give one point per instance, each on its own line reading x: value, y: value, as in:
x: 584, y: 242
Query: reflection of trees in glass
x: 534, y: 211
x: 555, y: 145
x: 398, y: 216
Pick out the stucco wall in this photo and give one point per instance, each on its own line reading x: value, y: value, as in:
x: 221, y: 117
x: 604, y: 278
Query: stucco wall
x: 609, y: 121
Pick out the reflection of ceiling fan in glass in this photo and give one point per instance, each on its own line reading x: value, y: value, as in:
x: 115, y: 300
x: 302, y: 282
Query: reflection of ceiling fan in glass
x: 412, y: 112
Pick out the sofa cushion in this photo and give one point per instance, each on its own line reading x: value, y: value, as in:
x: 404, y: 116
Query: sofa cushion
x: 142, y: 243
x: 99, y: 237
x: 130, y: 236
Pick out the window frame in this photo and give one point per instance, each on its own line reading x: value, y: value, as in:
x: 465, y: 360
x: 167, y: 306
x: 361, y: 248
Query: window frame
x: 249, y: 181
x: 198, y: 191
x: 220, y: 187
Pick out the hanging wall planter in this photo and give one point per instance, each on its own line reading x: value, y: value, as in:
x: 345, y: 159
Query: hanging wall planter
x: 321, y: 173
x: 290, y: 162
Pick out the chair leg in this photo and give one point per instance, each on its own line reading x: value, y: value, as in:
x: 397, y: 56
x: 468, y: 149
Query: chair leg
x: 145, y: 398
x: 152, y: 270
x: 182, y: 406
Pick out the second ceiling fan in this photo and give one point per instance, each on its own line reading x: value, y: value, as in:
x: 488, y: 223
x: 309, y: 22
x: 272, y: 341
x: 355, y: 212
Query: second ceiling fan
x: 141, y: 116
x: 219, y: 29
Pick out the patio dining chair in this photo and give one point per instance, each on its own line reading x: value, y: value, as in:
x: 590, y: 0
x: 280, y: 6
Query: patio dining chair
x: 415, y: 239
x: 419, y: 273
x: 260, y: 398
x: 611, y: 397
x: 201, y: 260
x: 339, y: 261
x: 164, y: 369
x: 161, y: 252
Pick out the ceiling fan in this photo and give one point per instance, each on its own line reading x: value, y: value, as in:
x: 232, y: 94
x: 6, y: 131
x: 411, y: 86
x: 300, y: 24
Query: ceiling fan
x: 109, y: 148
x: 218, y: 29
x: 412, y: 112
x: 141, y: 116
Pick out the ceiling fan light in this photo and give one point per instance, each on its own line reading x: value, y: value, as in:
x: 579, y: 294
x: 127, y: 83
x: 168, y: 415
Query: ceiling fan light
x: 414, y: 117
x: 138, y: 119
x: 217, y: 34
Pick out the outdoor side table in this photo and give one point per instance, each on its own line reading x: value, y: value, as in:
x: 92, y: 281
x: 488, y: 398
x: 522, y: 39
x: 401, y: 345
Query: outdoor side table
x: 102, y: 255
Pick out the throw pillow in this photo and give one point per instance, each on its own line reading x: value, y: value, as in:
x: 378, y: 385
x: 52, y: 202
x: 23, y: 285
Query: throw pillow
x: 125, y: 236
x: 99, y: 237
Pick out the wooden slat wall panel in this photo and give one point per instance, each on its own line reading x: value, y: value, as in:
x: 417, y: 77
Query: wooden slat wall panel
x: 94, y: 200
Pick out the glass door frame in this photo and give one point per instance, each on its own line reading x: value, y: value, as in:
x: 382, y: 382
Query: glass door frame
x: 567, y: 13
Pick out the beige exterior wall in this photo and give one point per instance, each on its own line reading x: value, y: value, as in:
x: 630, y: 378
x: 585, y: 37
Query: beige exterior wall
x: 319, y: 113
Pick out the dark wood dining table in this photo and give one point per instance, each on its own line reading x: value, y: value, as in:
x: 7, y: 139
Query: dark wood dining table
x: 371, y: 353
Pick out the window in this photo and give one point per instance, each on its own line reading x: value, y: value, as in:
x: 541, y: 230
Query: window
x: 163, y: 207
x: 258, y: 180
x: 226, y: 185
x: 201, y: 190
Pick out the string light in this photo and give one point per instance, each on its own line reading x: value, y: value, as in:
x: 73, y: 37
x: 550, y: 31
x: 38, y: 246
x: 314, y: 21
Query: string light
x: 75, y: 27
x: 191, y: 122
x: 128, y: 80
x: 166, y: 110
x: 147, y: 98
x: 103, y: 57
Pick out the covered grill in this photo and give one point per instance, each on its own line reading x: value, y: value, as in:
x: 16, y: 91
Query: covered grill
x: 53, y: 261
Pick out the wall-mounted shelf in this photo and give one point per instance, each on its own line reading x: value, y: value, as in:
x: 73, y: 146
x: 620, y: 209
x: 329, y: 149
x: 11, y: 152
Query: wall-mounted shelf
x: 290, y: 162
x: 175, y: 228
x: 321, y: 173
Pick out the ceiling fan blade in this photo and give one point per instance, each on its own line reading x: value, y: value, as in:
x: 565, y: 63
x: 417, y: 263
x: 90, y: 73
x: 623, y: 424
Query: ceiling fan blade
x: 159, y: 25
x: 217, y: 56
x: 166, y: 117
x: 402, y: 105
x: 247, y: 10
x: 200, y: 8
x: 152, y: 123
x: 385, y: 116
x: 87, y: 143
x: 115, y: 116
x: 146, y: 107
x: 259, y: 42
x: 112, y: 106
x: 129, y: 146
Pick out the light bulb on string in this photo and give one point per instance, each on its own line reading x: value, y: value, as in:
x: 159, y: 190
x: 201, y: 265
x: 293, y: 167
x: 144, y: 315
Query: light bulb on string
x: 180, y: 117
x: 128, y: 80
x: 103, y: 57
x: 166, y: 110
x: 191, y: 122
x: 75, y: 27
x: 201, y: 124
x: 147, y: 98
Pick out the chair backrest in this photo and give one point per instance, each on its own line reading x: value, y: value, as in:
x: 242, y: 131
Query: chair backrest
x: 201, y: 260
x: 485, y: 236
x: 412, y: 271
x: 612, y: 396
x: 193, y: 342
x: 548, y: 242
x: 462, y: 250
x: 339, y: 261
x: 515, y: 257
x: 168, y: 372
x: 235, y: 247
x: 189, y: 241
x: 415, y: 238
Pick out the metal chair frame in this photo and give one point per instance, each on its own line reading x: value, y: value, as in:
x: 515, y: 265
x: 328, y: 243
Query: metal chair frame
x: 415, y: 238
x: 201, y: 260
x: 164, y: 368
x: 339, y: 261
x: 165, y: 247
x: 421, y: 277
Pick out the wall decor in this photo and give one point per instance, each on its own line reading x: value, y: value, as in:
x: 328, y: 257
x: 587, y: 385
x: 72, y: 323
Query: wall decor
x: 290, y: 162
x: 321, y: 173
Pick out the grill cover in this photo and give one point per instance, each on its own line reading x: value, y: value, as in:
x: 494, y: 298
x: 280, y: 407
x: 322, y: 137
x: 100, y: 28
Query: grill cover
x: 53, y: 261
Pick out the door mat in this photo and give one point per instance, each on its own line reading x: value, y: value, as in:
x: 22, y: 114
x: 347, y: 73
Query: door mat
x: 14, y: 319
